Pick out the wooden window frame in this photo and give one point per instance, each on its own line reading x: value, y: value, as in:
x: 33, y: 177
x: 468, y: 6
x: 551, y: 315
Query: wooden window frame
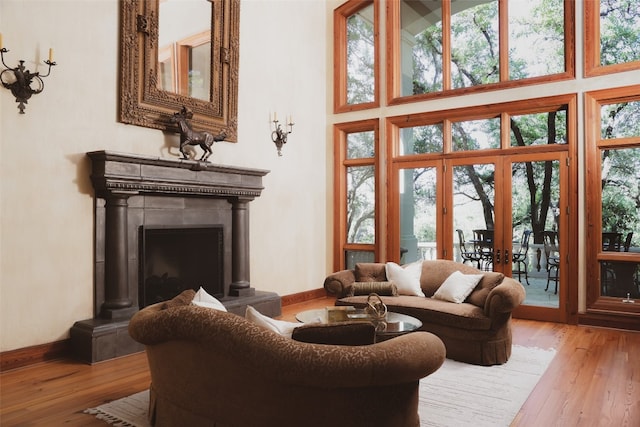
x: 394, y: 124
x: 594, y: 143
x: 394, y: 56
x: 340, y: 17
x: 341, y: 163
x: 592, y: 66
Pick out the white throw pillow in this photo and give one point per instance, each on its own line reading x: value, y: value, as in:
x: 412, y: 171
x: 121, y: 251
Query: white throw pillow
x: 281, y: 327
x: 407, y: 278
x: 203, y: 299
x: 457, y: 287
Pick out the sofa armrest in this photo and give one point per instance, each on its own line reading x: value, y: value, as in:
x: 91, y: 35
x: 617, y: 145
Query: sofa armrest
x: 338, y: 283
x: 504, y: 298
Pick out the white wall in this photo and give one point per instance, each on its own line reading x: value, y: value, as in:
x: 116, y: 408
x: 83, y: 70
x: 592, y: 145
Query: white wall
x: 46, y: 198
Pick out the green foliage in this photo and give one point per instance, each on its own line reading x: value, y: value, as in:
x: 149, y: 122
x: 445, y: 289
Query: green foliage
x: 360, y: 57
x: 360, y: 204
x: 474, y: 46
x: 619, y: 31
x: 621, y: 190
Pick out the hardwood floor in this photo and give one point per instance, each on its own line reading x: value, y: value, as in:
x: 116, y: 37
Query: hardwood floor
x: 594, y: 380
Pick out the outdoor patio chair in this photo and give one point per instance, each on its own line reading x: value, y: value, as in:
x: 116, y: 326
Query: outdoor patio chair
x: 483, y: 245
x: 611, y: 242
x: 627, y: 241
x: 466, y: 254
x: 552, y: 254
x: 520, y: 259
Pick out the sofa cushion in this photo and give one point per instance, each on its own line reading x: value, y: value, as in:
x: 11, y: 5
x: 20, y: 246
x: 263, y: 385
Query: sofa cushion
x: 406, y: 278
x: 345, y: 333
x: 281, y: 327
x: 457, y: 287
x: 370, y: 272
x: 366, y: 288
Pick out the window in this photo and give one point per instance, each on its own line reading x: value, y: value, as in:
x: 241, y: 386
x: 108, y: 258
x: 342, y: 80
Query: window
x: 444, y: 46
x: 612, y: 36
x: 476, y: 134
x: 356, y: 216
x: 613, y: 198
x: 446, y: 169
x: 466, y: 184
x: 356, y: 52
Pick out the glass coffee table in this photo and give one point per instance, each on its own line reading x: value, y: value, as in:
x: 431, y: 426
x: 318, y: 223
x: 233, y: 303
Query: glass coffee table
x: 394, y: 323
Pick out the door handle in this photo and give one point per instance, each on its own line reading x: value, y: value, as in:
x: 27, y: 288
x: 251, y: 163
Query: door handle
x: 506, y: 256
x: 498, y: 256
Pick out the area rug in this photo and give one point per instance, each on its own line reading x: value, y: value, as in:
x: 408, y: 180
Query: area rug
x: 456, y: 395
x: 461, y: 395
x: 130, y: 411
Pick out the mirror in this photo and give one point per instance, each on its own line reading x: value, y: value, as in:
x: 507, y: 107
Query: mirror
x: 184, y: 51
x: 176, y: 53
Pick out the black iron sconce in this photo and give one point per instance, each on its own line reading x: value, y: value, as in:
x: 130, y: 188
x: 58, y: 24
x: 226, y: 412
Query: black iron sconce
x: 18, y: 80
x: 279, y: 135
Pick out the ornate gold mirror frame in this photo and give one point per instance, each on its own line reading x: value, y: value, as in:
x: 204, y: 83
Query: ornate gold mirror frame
x: 143, y: 103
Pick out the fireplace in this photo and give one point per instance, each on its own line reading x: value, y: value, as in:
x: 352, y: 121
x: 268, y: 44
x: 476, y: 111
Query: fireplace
x: 195, y: 215
x: 174, y: 259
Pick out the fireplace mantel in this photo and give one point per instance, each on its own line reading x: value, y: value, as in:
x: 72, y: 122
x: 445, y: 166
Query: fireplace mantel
x: 129, y: 173
x: 133, y: 191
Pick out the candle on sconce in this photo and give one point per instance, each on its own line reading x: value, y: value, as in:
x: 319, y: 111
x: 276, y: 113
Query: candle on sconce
x: 1, y: 45
x: 50, y: 54
x: 275, y: 117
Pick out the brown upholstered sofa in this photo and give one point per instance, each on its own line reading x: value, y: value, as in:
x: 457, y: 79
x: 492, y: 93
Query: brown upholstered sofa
x: 210, y: 367
x: 476, y: 331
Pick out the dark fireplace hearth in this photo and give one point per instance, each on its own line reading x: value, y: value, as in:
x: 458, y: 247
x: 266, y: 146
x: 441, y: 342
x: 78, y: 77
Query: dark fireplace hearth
x: 142, y: 200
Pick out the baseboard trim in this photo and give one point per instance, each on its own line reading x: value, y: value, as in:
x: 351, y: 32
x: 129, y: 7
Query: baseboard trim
x: 303, y: 296
x: 27, y: 356
x: 608, y: 320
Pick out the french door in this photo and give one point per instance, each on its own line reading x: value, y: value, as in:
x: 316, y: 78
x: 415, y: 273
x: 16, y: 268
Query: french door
x: 492, y: 212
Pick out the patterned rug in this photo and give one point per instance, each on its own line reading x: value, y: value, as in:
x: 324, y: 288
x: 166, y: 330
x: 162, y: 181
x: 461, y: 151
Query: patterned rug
x: 456, y: 395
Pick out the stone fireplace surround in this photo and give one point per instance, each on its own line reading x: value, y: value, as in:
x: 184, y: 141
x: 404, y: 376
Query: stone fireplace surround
x: 133, y: 191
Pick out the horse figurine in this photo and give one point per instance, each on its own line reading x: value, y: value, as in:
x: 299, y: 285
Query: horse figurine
x: 190, y: 137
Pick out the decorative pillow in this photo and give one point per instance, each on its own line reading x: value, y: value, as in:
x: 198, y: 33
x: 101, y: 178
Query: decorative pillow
x: 369, y: 272
x: 407, y: 279
x: 380, y: 288
x: 184, y: 298
x: 203, y: 299
x: 345, y: 333
x: 457, y: 287
x: 489, y: 281
x: 278, y: 326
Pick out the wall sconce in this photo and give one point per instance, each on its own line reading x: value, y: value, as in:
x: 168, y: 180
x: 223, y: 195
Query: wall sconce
x: 18, y: 80
x: 279, y: 135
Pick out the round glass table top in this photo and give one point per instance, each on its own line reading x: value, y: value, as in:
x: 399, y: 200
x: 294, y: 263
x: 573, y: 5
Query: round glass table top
x: 392, y: 324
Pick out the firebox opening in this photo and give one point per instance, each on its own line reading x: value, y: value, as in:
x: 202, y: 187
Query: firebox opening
x: 176, y: 258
